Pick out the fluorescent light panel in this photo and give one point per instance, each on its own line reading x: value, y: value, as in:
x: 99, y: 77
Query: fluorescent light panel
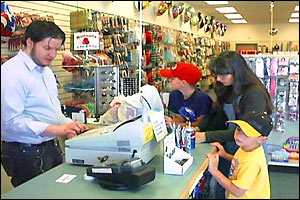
x: 216, y: 2
x: 297, y: 8
x: 239, y: 21
x: 226, y: 10
x: 233, y: 16
x: 294, y: 20
x: 295, y: 15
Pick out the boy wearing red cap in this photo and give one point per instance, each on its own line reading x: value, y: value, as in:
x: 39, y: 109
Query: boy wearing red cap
x: 249, y: 178
x: 184, y: 92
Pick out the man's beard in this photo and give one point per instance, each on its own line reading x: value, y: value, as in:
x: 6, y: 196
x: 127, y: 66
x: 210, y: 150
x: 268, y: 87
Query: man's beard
x: 34, y: 57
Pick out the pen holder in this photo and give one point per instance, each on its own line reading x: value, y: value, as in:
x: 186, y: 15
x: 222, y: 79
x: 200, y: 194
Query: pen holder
x: 176, y: 161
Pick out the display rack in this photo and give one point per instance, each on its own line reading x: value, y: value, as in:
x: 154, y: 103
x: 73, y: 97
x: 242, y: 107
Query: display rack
x: 106, y: 87
x: 93, y: 88
x: 280, y: 75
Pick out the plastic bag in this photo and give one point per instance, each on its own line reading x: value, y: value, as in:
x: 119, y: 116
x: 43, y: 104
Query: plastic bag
x: 110, y: 116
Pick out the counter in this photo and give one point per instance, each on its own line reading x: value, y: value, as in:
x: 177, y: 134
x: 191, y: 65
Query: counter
x: 164, y: 186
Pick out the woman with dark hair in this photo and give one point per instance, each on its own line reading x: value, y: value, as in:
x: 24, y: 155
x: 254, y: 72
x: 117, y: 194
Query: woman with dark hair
x: 239, y: 92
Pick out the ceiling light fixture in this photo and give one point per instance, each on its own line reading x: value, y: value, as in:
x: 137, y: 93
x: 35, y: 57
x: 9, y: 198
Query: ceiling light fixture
x: 295, y: 15
x: 216, y: 2
x: 239, y: 21
x: 226, y: 10
x: 233, y: 16
x: 294, y: 20
x: 272, y: 31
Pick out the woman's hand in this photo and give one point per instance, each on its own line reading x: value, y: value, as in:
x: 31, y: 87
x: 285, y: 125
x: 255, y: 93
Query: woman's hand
x: 200, y: 137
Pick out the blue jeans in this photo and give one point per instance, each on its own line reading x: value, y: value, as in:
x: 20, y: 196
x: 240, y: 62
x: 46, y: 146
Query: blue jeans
x: 23, y: 162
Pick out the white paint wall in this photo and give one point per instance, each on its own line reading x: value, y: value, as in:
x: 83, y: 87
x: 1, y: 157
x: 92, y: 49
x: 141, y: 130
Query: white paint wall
x: 258, y: 33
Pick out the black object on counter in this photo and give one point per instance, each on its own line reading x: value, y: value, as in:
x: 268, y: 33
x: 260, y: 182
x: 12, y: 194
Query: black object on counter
x: 122, y: 175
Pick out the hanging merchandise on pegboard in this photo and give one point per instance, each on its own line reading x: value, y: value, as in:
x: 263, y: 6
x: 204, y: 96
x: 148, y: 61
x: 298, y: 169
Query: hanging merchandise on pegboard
x: 129, y: 86
x: 22, y: 21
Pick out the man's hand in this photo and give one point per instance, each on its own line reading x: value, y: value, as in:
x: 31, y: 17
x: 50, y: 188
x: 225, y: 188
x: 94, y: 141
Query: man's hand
x: 69, y: 130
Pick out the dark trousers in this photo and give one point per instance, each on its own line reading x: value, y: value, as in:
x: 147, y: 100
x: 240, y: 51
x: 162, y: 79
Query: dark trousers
x: 224, y: 167
x: 23, y: 162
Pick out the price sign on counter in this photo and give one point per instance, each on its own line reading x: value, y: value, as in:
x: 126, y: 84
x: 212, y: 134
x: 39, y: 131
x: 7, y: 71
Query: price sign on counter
x: 157, y: 119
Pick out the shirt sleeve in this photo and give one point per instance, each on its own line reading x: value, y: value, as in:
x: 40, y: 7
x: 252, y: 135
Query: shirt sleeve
x: 219, y: 136
x: 246, y: 176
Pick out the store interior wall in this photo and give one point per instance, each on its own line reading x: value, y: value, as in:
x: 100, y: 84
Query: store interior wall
x: 148, y: 14
x: 60, y: 10
x: 258, y: 33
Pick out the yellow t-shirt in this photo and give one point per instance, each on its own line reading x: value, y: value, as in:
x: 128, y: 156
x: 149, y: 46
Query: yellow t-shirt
x: 249, y: 171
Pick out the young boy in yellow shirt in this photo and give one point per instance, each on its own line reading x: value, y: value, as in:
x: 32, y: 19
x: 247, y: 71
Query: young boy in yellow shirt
x: 249, y: 178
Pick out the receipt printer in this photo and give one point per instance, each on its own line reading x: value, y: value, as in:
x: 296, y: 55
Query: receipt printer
x: 122, y: 174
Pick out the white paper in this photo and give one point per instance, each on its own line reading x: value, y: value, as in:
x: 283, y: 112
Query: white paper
x: 66, y: 178
x: 78, y: 117
x: 86, y: 40
x: 157, y: 119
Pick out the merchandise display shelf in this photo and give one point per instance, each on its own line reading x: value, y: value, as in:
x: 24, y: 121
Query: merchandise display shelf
x: 287, y: 164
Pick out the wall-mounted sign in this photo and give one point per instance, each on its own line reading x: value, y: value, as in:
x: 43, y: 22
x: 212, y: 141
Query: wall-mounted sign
x: 86, y: 40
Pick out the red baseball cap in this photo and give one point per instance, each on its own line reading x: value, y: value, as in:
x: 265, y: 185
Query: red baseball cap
x: 184, y: 71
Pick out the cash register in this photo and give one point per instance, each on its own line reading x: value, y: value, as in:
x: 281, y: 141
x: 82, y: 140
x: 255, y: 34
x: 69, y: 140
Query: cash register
x: 123, y: 140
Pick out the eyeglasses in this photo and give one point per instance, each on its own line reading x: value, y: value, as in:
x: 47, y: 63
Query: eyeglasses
x: 221, y: 76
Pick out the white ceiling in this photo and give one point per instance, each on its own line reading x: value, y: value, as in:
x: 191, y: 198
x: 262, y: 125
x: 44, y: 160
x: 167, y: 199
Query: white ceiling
x: 255, y: 12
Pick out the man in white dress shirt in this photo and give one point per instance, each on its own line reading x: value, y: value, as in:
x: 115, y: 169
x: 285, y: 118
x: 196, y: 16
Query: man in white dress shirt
x: 31, y: 117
